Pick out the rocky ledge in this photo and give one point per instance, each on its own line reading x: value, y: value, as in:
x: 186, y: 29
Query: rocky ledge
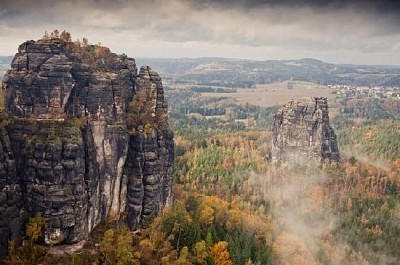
x: 86, y: 139
x: 302, y: 134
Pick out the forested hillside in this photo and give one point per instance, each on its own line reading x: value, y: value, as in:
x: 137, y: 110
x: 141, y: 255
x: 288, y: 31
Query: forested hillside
x: 238, y: 73
x: 188, y: 132
x: 232, y: 205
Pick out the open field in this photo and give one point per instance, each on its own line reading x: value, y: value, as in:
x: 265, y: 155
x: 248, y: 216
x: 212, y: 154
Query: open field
x: 276, y: 94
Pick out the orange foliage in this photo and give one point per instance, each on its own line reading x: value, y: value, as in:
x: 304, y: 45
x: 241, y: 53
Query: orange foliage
x: 369, y: 134
x: 220, y: 253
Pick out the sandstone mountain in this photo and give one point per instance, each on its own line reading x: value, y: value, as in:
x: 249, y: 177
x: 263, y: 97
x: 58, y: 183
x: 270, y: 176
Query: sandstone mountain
x: 84, y: 138
x: 302, y: 134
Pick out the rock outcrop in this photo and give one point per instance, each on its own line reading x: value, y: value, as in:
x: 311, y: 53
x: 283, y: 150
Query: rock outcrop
x: 149, y: 170
x: 11, y: 210
x: 302, y: 134
x: 69, y: 151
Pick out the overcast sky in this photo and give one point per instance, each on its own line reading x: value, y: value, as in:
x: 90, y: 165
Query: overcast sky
x: 337, y: 31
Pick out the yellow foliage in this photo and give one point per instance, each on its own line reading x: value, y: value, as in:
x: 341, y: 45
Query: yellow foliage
x: 116, y: 247
x: 154, y: 247
x: 184, y: 257
x: 234, y: 217
x: 200, y: 252
x: 12, y: 258
x: 220, y: 253
x: 215, y: 202
x: 79, y: 122
x: 148, y: 129
x: 206, y: 214
x: 146, y: 244
x: 34, y: 227
x: 374, y: 231
x: 170, y: 259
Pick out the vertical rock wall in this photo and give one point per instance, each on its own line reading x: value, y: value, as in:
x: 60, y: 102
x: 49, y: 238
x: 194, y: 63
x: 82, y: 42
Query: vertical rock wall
x: 50, y: 161
x: 71, y: 156
x: 302, y: 134
x: 149, y: 170
x: 11, y: 213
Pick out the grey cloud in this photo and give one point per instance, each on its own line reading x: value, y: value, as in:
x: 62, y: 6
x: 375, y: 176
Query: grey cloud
x: 387, y: 8
x: 379, y: 5
x: 298, y: 27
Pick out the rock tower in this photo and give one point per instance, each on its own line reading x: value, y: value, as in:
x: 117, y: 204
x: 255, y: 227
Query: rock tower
x: 302, y: 134
x: 75, y: 144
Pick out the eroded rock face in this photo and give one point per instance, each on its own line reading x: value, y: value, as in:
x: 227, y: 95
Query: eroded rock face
x: 50, y: 162
x: 71, y: 156
x: 302, y: 134
x: 150, y: 169
x: 11, y: 213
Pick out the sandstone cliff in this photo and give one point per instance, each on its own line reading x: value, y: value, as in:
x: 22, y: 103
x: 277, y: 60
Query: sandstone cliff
x: 302, y: 134
x: 87, y: 140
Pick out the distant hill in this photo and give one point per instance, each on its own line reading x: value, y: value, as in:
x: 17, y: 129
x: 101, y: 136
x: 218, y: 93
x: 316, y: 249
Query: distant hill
x: 245, y: 73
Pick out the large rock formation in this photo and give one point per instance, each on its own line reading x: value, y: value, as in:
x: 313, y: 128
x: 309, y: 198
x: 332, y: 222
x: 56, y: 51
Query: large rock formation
x: 77, y: 147
x: 11, y: 210
x: 302, y: 134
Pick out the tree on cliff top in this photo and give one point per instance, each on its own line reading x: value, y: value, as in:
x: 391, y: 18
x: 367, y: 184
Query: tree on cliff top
x: 98, y: 57
x: 65, y: 36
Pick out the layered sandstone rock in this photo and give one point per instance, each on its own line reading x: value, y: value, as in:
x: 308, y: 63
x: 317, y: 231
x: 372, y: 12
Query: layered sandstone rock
x: 73, y: 157
x: 302, y: 134
x: 149, y: 170
x: 11, y: 213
